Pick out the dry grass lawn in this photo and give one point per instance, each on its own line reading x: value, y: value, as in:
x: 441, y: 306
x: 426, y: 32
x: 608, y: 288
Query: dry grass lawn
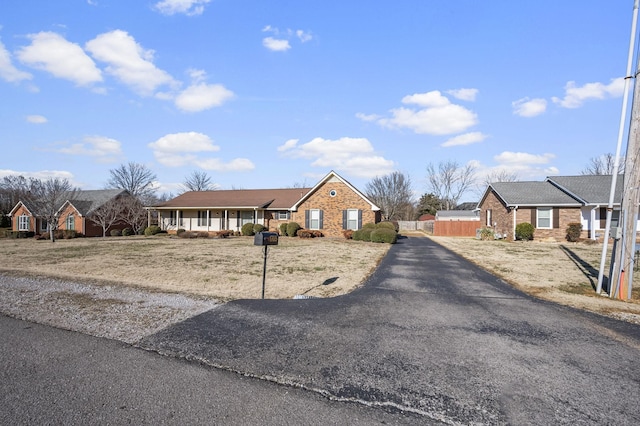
x: 224, y: 269
x: 566, y: 273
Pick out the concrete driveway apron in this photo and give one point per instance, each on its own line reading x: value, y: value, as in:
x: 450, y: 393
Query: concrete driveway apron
x: 432, y: 334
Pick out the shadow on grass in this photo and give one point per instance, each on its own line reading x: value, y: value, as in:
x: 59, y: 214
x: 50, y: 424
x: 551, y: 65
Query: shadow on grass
x: 585, y: 267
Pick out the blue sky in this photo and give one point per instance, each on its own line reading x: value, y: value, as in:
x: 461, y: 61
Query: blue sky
x: 267, y: 94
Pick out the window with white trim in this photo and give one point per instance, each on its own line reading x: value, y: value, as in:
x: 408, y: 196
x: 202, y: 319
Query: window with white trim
x: 70, y: 223
x: 314, y: 219
x: 352, y: 219
x: 23, y: 223
x: 544, y: 217
x: 283, y: 215
x: 43, y: 225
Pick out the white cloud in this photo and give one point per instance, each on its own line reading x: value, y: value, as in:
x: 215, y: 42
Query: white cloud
x: 524, y: 166
x: 280, y: 42
x: 42, y: 174
x: 526, y: 107
x: 508, y: 157
x: 8, y: 71
x: 188, y: 7
x: 575, y: 96
x: 129, y: 62
x: 429, y: 99
x: 465, y: 139
x: 276, y: 45
x: 367, y: 117
x: 36, y: 119
x: 236, y: 165
x: 104, y: 149
x: 438, y: 116
x: 464, y: 94
x: 352, y: 155
x: 180, y: 149
x: 290, y: 144
x: 53, y: 53
x: 304, y: 36
x: 200, y: 96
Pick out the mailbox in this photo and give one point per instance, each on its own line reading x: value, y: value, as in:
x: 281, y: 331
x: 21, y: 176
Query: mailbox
x: 265, y: 239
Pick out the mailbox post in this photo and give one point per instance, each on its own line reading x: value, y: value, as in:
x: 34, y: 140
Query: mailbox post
x: 265, y: 239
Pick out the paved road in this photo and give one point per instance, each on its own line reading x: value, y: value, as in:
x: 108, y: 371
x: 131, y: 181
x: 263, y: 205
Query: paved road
x: 433, y: 335
x: 56, y: 377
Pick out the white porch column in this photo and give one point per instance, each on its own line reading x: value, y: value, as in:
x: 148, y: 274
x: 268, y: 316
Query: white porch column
x: 178, y: 219
x: 515, y: 214
x: 208, y: 219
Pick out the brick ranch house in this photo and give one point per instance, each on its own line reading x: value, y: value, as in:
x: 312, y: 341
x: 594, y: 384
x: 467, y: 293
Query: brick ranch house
x: 75, y: 214
x: 331, y: 206
x: 551, y: 205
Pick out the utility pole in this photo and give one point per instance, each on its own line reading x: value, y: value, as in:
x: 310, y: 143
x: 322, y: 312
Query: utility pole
x: 621, y: 129
x: 621, y: 282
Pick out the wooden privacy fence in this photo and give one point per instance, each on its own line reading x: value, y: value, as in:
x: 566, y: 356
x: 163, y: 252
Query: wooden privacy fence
x: 456, y: 228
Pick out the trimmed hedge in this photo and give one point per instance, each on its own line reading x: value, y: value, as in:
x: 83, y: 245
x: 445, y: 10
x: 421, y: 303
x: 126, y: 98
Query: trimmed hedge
x: 387, y: 225
x: 247, y: 229
x: 292, y: 229
x: 384, y: 235
x: 363, y: 234
x: 283, y: 229
x: 258, y: 228
x: 151, y: 230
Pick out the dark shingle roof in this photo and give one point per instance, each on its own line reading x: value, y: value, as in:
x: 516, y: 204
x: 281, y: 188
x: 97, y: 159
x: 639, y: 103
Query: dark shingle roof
x: 532, y: 194
x: 274, y: 199
x: 591, y: 189
x: 87, y: 201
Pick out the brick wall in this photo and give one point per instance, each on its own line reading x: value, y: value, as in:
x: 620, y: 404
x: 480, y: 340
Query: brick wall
x: 332, y: 207
x: 501, y: 216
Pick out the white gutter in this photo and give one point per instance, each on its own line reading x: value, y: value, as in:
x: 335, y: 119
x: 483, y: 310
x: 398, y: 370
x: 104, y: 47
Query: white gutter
x: 515, y: 213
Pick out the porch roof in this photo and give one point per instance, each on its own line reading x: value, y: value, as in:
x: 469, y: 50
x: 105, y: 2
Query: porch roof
x: 269, y: 199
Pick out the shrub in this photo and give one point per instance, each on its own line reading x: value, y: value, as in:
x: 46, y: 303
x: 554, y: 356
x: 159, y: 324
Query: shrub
x: 384, y: 235
x: 363, y: 234
x: 574, y: 230
x: 151, y: 230
x: 115, y: 232
x: 223, y: 234
x: 126, y: 232
x: 292, y: 229
x: 306, y: 233
x: 348, y: 234
x: 180, y: 231
x: 370, y: 226
x: 283, y: 229
x: 387, y: 225
x: 68, y: 234
x: 258, y: 228
x: 524, y: 231
x: 203, y: 234
x: 247, y: 229
x: 487, y: 234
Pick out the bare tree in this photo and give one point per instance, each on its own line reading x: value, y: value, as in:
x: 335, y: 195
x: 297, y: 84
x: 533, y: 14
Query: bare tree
x: 198, y: 181
x: 500, y: 176
x: 133, y: 213
x: 135, y: 178
x: 106, y: 215
x: 12, y: 190
x: 392, y: 193
x: 46, y: 197
x: 449, y: 181
x: 603, y: 165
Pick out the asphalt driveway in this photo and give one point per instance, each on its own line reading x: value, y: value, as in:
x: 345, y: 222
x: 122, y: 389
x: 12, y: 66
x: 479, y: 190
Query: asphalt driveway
x: 432, y: 334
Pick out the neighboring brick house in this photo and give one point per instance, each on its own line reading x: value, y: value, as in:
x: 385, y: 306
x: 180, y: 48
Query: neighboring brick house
x: 331, y: 206
x: 550, y: 205
x: 74, y: 214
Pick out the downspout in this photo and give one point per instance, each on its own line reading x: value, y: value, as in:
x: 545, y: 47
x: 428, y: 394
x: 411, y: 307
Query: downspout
x: 592, y: 225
